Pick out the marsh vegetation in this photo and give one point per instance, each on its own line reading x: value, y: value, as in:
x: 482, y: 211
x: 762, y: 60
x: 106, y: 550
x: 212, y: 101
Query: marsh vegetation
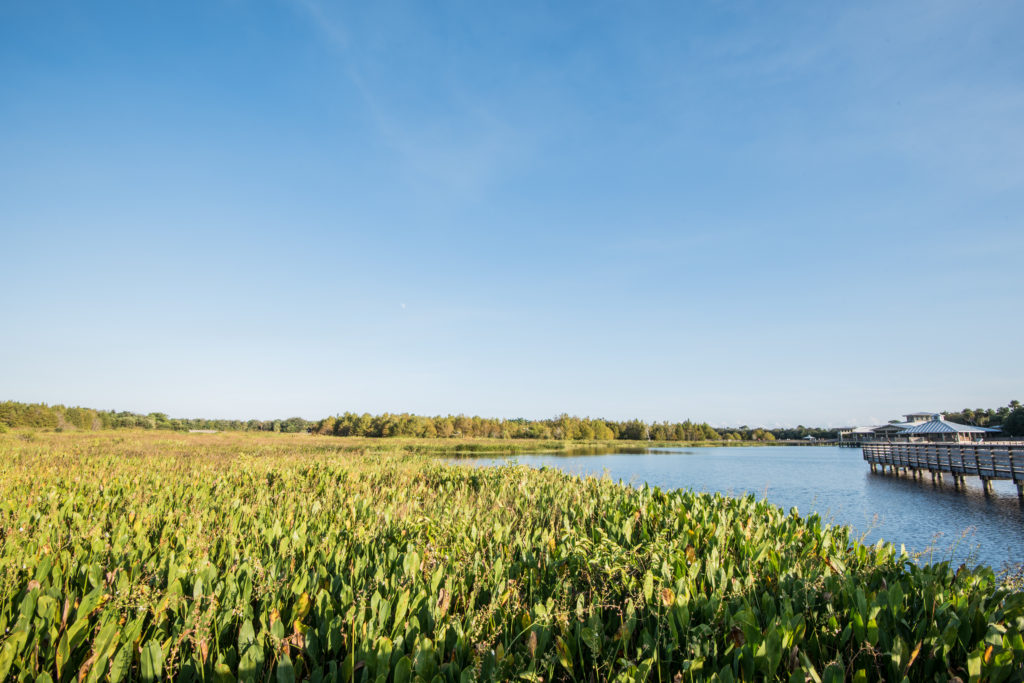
x: 148, y: 555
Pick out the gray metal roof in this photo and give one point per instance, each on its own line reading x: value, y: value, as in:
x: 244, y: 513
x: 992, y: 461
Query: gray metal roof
x: 944, y: 427
x: 894, y: 425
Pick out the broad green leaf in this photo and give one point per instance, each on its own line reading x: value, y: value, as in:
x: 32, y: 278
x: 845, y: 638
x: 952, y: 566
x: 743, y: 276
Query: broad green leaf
x: 401, y: 610
x: 246, y: 636
x: 285, y: 670
x: 151, y: 661
x: 11, y: 647
x: 403, y: 670
x: 121, y: 663
x: 222, y: 673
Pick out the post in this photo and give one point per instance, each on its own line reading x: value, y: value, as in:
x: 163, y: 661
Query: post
x: 986, y: 485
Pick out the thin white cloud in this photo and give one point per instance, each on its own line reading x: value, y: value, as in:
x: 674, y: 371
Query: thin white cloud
x: 460, y: 149
x: 333, y: 29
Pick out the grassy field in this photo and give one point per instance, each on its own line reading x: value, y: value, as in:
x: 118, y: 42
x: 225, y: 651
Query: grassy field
x: 220, y: 557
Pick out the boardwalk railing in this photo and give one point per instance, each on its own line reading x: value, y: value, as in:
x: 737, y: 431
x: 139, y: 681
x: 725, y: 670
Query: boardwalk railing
x: 985, y: 460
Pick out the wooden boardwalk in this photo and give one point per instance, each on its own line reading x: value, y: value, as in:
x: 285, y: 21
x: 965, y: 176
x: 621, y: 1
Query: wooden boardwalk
x: 986, y: 460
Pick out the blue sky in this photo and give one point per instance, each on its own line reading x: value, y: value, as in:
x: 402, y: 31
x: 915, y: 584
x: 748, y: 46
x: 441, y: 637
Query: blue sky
x: 739, y: 212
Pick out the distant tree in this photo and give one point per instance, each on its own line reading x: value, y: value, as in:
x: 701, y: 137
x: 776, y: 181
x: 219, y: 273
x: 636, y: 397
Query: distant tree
x: 563, y: 429
x: 602, y: 432
x: 634, y: 430
x: 158, y: 420
x: 293, y: 425
x: 445, y: 427
x: 1014, y: 423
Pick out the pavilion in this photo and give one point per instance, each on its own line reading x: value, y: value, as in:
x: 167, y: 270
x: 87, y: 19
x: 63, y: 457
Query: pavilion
x: 939, y: 429
x: 916, y: 427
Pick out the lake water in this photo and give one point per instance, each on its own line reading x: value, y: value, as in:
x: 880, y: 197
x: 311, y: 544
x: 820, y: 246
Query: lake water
x: 946, y: 524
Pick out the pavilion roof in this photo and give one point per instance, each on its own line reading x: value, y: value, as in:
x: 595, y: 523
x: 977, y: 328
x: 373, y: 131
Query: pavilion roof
x: 864, y: 430
x: 941, y: 426
x: 894, y: 425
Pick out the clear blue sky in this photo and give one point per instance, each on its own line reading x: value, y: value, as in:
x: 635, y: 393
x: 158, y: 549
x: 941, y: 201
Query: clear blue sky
x: 739, y: 212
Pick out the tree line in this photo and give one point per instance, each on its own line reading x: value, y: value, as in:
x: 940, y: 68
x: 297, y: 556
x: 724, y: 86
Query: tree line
x: 60, y: 418
x: 1009, y: 418
x: 564, y: 427
x: 983, y: 417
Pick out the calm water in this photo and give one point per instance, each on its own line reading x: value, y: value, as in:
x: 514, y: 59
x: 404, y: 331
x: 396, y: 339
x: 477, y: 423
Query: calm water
x: 833, y: 482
